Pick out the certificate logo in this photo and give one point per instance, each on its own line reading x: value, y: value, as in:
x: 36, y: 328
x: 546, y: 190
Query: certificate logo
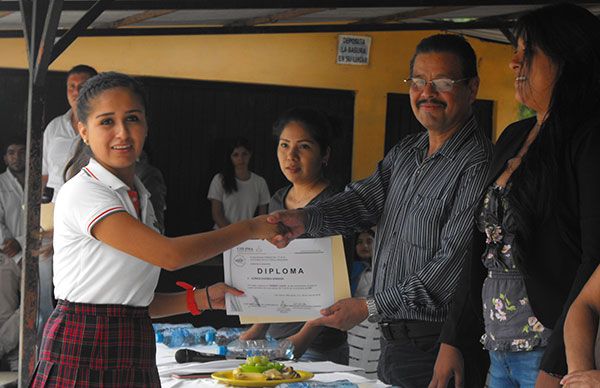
x: 240, y: 261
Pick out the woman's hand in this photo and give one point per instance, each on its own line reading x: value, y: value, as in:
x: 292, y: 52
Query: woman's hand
x: 449, y: 363
x: 582, y: 379
x: 216, y: 292
x: 256, y: 331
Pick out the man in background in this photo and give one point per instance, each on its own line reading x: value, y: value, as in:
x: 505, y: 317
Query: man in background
x: 12, y: 235
x: 61, y: 135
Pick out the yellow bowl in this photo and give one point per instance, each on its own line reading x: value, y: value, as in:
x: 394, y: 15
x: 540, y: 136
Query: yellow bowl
x: 227, y: 378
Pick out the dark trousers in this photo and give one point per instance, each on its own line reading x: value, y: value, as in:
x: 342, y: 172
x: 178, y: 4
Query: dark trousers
x: 408, y: 353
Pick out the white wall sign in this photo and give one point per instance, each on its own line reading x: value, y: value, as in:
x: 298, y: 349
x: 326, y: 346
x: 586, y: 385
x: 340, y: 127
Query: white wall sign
x: 353, y: 50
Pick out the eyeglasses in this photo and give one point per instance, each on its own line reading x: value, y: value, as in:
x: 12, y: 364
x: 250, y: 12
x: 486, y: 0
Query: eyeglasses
x: 439, y: 85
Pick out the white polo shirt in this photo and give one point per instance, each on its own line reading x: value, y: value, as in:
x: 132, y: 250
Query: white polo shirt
x: 12, y: 224
x: 60, y: 142
x: 87, y: 270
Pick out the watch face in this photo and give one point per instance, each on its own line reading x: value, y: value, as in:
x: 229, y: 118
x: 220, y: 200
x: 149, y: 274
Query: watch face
x: 373, y: 318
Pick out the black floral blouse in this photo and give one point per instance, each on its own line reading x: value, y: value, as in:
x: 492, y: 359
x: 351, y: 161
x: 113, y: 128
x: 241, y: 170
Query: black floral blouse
x: 510, y: 324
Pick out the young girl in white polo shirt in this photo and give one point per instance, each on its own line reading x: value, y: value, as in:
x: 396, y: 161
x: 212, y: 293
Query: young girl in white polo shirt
x: 108, y: 254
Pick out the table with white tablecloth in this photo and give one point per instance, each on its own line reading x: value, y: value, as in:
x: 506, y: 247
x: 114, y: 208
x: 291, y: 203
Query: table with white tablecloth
x: 323, y: 371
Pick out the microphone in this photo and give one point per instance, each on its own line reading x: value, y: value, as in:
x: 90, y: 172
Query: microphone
x: 188, y: 355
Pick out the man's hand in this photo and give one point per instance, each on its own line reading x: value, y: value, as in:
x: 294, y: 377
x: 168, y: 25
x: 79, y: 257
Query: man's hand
x: 546, y: 380
x: 449, y: 363
x: 10, y: 247
x: 293, y: 220
x: 344, y: 314
x: 582, y: 379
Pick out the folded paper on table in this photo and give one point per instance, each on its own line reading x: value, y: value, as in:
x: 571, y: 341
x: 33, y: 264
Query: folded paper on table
x: 341, y: 285
x: 47, y: 216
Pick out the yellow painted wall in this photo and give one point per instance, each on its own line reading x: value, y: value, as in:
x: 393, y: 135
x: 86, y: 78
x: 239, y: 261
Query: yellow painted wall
x: 306, y: 60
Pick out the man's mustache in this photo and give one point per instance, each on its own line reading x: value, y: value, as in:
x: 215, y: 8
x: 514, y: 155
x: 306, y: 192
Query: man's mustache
x: 431, y: 101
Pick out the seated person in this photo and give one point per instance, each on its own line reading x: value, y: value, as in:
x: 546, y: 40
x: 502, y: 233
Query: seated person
x: 12, y: 232
x: 363, y: 339
x: 361, y: 274
x: 10, y: 284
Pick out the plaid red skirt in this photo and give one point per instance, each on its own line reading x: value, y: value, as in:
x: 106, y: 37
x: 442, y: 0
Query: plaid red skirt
x: 87, y: 345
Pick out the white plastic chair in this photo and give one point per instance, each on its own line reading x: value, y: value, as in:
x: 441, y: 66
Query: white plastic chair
x: 363, y: 340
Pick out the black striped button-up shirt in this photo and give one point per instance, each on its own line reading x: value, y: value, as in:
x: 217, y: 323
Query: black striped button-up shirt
x: 423, y: 207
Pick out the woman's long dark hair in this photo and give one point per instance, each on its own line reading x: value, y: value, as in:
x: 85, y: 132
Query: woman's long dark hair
x: 570, y: 36
x: 228, y: 171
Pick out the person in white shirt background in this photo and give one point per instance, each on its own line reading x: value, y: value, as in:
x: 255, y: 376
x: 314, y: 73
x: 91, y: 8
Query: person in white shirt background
x: 236, y: 193
x: 61, y: 135
x: 108, y: 254
x: 12, y: 233
x: 59, y: 144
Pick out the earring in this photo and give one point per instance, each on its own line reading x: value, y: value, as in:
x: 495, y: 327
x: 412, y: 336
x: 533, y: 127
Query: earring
x: 86, y: 142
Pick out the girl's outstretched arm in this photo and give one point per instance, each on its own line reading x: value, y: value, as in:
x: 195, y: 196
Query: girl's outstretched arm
x: 125, y: 233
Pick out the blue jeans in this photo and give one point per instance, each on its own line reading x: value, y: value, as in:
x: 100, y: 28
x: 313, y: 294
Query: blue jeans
x: 514, y: 369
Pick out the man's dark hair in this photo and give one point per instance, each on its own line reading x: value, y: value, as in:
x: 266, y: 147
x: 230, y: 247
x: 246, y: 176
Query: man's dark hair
x: 85, y: 69
x: 448, y: 43
x: 13, y: 140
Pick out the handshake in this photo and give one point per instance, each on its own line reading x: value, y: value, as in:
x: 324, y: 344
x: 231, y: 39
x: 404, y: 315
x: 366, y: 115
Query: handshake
x: 279, y: 227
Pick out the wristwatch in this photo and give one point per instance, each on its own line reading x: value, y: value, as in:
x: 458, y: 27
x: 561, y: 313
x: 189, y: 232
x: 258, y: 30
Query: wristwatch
x: 374, y: 316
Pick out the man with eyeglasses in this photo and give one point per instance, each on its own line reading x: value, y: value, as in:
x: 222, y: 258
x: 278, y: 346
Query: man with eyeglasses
x: 421, y: 197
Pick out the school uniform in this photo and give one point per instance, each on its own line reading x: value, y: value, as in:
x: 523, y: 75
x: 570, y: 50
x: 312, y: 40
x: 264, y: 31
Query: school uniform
x: 100, y: 333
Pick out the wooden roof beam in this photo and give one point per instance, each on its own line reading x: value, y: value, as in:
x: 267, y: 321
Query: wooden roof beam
x: 288, y: 14
x: 138, y: 18
x: 413, y: 14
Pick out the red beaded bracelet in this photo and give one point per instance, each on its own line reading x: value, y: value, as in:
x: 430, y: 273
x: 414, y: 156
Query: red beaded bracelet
x: 191, y: 301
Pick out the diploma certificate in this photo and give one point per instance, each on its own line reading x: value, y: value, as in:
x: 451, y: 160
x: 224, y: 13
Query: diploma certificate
x: 294, y: 281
